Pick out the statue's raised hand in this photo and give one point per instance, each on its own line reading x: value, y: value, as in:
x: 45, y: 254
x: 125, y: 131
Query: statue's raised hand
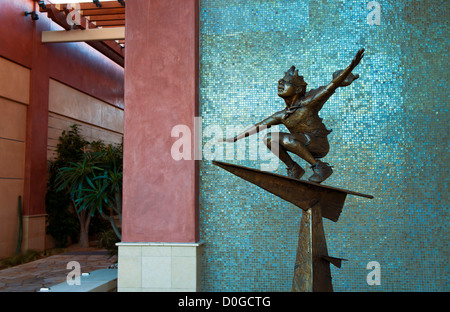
x: 347, y: 81
x: 358, y: 57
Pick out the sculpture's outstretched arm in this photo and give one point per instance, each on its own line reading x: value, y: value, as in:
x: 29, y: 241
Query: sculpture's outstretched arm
x: 266, y: 123
x: 339, y: 79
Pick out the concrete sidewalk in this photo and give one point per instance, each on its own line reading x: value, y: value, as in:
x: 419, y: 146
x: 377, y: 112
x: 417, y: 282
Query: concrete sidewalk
x: 49, y: 271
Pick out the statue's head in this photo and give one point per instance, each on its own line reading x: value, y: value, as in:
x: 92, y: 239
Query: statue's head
x: 291, y: 84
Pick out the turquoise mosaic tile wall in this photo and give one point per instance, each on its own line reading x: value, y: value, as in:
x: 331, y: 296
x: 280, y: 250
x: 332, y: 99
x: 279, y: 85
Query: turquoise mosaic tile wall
x: 389, y: 139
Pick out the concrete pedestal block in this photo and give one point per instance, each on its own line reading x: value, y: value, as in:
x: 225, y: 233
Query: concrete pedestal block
x: 159, y: 267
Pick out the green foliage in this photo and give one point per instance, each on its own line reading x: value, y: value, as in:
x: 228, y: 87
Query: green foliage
x: 76, y: 179
x: 62, y: 221
x: 108, y: 239
x: 71, y: 146
x: 94, y: 182
x: 85, y: 179
x: 29, y: 255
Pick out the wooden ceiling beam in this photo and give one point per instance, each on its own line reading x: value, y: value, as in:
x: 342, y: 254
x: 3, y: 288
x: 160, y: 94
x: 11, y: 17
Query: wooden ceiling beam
x: 84, y: 35
x: 102, y: 11
x: 110, y: 23
x: 110, y: 49
x: 106, y: 17
x: 116, y: 23
x: 105, y: 5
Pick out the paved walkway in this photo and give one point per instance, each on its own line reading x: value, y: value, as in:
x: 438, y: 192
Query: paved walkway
x: 49, y: 271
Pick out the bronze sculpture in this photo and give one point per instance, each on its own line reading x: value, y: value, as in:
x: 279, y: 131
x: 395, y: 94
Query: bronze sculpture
x: 308, y: 135
x: 307, y: 139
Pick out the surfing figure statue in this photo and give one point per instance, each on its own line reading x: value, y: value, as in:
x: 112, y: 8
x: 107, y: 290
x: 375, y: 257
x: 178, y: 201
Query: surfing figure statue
x: 308, y: 135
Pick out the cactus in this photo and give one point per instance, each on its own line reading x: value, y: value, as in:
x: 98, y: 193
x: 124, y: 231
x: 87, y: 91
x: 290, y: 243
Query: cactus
x: 19, y: 240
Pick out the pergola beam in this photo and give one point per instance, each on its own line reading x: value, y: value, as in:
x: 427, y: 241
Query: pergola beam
x: 80, y: 35
x: 110, y: 49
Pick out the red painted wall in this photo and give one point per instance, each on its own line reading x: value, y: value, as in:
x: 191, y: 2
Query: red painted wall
x: 161, y: 91
x: 75, y: 64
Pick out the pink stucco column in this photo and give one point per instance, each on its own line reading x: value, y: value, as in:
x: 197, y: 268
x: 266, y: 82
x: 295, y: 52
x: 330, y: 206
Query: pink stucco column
x: 161, y: 91
x: 160, y: 248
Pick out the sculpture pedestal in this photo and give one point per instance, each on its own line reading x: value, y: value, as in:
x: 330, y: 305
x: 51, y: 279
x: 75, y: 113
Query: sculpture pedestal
x: 312, y: 265
x: 312, y: 270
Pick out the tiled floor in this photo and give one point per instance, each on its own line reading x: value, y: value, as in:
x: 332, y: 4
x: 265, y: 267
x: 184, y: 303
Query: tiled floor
x: 30, y: 277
